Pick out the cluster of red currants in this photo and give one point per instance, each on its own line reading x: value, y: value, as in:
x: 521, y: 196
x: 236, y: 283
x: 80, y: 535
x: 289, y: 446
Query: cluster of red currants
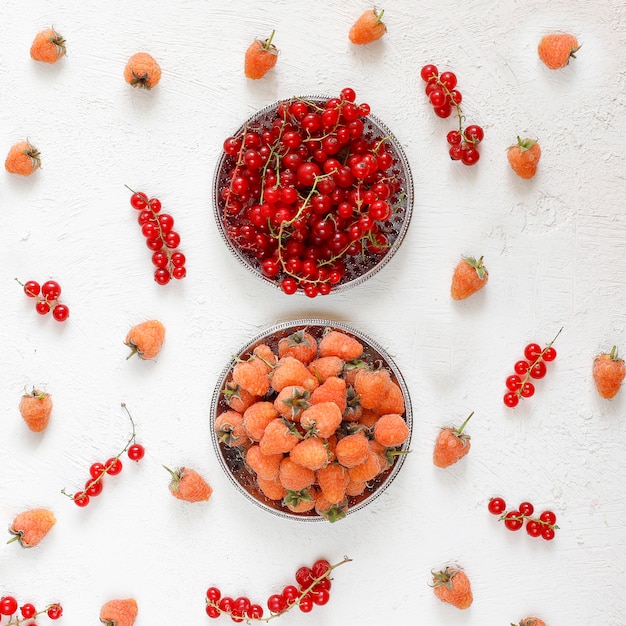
x: 313, y: 588
x: 443, y: 95
x: 113, y: 466
x: 9, y: 607
x: 161, y: 238
x: 543, y: 526
x: 310, y: 191
x: 47, y: 298
x: 532, y: 366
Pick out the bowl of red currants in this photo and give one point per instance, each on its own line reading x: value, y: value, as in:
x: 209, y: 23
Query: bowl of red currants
x: 313, y: 194
x: 311, y: 420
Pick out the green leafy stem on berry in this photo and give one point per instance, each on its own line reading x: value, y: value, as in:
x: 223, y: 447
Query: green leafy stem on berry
x: 112, y: 462
x: 537, y: 360
x: 303, y: 593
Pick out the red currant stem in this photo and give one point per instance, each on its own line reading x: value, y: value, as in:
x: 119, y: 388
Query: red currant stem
x: 15, y: 622
x: 34, y: 295
x: 303, y: 593
x: 539, y: 358
x: 521, y: 517
x: 99, y: 478
x: 459, y: 111
x: 459, y: 430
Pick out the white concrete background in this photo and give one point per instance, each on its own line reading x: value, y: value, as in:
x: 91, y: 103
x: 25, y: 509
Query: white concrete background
x: 555, y: 247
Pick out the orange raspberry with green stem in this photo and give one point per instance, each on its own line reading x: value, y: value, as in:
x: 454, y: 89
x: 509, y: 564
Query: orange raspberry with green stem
x: 291, y: 401
x: 35, y: 408
x: 289, y: 371
x: 524, y: 156
x: 325, y: 367
x: 145, y: 339
x: 271, y: 489
x: 300, y: 344
x: 23, y: 159
x: 452, y: 585
x: 229, y: 429
x: 608, y: 373
x: 321, y: 420
x: 372, y: 385
x: 333, y: 389
x: 119, y: 612
x: 188, y: 485
x: 332, y: 481
x: 265, y: 466
x: 452, y: 444
x: 260, y: 57
x: 142, y: 70
x: 31, y: 526
x: 339, y: 344
x: 312, y: 452
x: 256, y: 418
x: 352, y: 450
x: 391, y: 430
x: 469, y: 276
x: 295, y: 477
x: 236, y: 397
x: 368, y: 28
x: 556, y: 49
x: 48, y: 46
x: 280, y: 436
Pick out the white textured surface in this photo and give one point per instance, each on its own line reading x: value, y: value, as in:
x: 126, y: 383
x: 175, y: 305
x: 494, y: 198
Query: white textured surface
x: 555, y: 248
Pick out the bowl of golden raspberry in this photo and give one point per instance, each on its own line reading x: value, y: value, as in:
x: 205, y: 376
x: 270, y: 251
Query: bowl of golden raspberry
x: 313, y: 194
x: 311, y: 420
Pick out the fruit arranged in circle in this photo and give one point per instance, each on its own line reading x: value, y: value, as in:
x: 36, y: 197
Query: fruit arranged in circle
x: 543, y: 526
x: 23, y: 159
x: 35, y: 408
x: 31, y: 526
x: 46, y: 298
x: 312, y: 193
x: 260, y: 58
x: 446, y: 98
x: 452, y: 444
x: 523, y: 157
x: 312, y: 588
x: 119, y: 612
x: 368, y: 28
x: 452, y: 586
x: 142, y: 71
x: 145, y: 339
x: 556, y: 49
x: 112, y: 466
x: 158, y: 229
x: 608, y: 373
x: 470, y: 275
x: 314, y: 437
x: 48, y: 46
x: 533, y: 366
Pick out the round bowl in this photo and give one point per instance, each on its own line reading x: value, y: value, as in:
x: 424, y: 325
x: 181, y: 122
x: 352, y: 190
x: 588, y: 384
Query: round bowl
x: 363, y: 261
x: 232, y: 459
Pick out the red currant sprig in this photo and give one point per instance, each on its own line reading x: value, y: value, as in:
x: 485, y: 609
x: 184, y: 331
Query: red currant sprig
x: 46, y: 298
x: 112, y: 466
x: 161, y: 238
x: 543, y: 526
x: 533, y: 366
x: 313, y: 588
x: 9, y: 606
x: 443, y: 95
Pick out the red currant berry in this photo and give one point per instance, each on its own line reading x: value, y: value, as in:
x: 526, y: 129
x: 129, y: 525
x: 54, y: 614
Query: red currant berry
x: 113, y: 466
x: 178, y: 259
x: 166, y: 222
x: 42, y: 307
x: 513, y: 382
x: 179, y: 272
x: 324, y: 583
x: 289, y: 285
x: 511, y: 399
x: 172, y: 239
x: 521, y: 367
x: 306, y: 604
x: 154, y: 204
x: 538, y: 370
x: 51, y: 290
x: 212, y: 611
x: 55, y: 611
x: 255, y: 611
x: 532, y: 351
x: 548, y: 533
x: 437, y: 97
x: 528, y: 390
x: 242, y: 604
x: 139, y: 201
x: 28, y: 610
x: 290, y: 593
x: 474, y: 134
x: 320, y: 597
x: 8, y: 605
x: 429, y: 72
x: 276, y: 603
x: 454, y: 137
x: 533, y: 528
x: 549, y: 354
x: 61, y: 312
x: 81, y: 499
x: 136, y: 452
x: 526, y: 508
x: 470, y: 156
x: 161, y: 276
x: 320, y: 567
x: 304, y: 577
x: 548, y: 517
x: 513, y: 520
x: 443, y: 111
x: 93, y: 488
x: 159, y: 259
x: 456, y: 152
x: 226, y: 604
x: 348, y: 94
x: 448, y: 79
x: 96, y: 470
x: 496, y: 506
x: 32, y: 288
x: 213, y: 594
